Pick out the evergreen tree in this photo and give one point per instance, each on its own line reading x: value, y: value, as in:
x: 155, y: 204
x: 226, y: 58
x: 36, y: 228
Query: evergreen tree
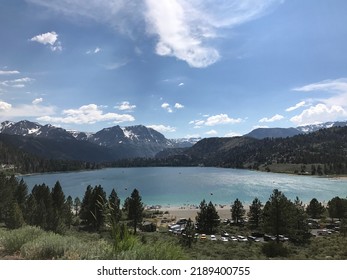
x: 207, y: 218
x: 21, y: 194
x: 98, y: 206
x: 337, y: 208
x: 237, y: 211
x: 255, y: 213
x: 43, y: 214
x: 14, y: 217
x: 315, y: 209
x: 58, y: 208
x: 188, y: 234
x: 86, y: 206
x: 277, y: 215
x: 135, y: 208
x: 114, y: 205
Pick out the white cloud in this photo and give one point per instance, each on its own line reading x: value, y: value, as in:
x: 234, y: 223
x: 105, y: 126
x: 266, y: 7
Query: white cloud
x: 211, y: 132
x: 181, y: 84
x: 88, y: 114
x: 179, y: 106
x: 95, y: 51
x: 162, y: 128
x: 17, y: 83
x: 183, y: 29
x: 37, y: 101
x: 125, y: 106
x: 221, y: 119
x: 337, y: 85
x: 4, y: 106
x: 215, y: 120
x: 332, y: 108
x: 9, y: 72
x: 24, y: 110
x: 296, y: 106
x: 276, y: 117
x: 320, y: 113
x: 50, y: 38
x: 167, y: 107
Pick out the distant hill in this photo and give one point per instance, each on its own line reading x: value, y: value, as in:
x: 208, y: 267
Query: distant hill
x: 326, y: 148
x: 261, y: 133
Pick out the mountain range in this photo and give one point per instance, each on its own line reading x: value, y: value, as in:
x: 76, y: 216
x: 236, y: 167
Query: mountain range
x: 261, y: 133
x: 108, y: 144
x: 116, y: 143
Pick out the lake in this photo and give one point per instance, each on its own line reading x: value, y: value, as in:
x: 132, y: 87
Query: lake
x: 176, y: 186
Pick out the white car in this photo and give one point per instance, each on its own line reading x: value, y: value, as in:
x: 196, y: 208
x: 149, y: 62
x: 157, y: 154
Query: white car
x: 241, y: 238
x: 213, y: 238
x: 224, y: 239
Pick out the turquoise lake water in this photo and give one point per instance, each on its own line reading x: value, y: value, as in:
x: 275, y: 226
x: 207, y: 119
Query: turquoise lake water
x: 178, y: 186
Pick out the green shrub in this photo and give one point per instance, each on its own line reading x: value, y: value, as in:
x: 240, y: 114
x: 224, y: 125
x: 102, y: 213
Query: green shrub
x: 273, y: 249
x: 47, y: 246
x: 158, y: 251
x: 13, y: 240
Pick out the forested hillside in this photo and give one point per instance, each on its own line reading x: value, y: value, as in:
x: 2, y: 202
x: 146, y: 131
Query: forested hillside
x: 324, y: 151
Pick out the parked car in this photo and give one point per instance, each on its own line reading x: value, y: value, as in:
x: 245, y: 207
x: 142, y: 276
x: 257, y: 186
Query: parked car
x: 225, y: 234
x: 268, y: 237
x: 253, y: 238
x: 203, y: 236
x: 232, y: 238
x: 283, y: 238
x: 224, y: 239
x: 241, y: 238
x: 213, y: 238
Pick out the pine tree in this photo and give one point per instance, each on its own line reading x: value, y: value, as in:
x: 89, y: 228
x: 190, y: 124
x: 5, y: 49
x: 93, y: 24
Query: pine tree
x: 14, y: 217
x: 135, y: 208
x: 237, y: 211
x: 59, y: 208
x: 277, y: 215
x: 114, y: 205
x: 255, y: 213
x: 207, y: 218
x: 315, y: 209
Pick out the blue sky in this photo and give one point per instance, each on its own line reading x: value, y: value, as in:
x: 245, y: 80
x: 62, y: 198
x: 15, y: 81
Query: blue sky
x: 186, y: 68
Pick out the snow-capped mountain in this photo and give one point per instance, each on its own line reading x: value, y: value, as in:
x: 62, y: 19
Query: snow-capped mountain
x: 185, y: 142
x: 27, y: 128
x: 261, y: 133
x: 125, y: 142
x: 314, y: 127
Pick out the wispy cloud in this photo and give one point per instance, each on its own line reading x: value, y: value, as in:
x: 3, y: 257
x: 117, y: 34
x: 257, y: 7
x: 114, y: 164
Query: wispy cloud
x: 87, y: 114
x: 37, y: 101
x: 49, y: 38
x: 17, y: 83
x: 9, y: 72
x: 275, y: 118
x: 95, y: 51
x: 296, y: 106
x: 185, y: 30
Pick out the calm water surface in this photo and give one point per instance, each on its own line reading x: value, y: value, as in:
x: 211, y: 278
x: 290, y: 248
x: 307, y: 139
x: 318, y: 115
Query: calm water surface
x: 189, y: 185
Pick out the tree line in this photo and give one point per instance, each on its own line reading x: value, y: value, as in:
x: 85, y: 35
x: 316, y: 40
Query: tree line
x: 279, y: 216
x: 51, y: 210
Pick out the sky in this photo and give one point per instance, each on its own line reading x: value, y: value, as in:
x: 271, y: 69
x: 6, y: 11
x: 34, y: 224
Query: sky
x: 197, y: 68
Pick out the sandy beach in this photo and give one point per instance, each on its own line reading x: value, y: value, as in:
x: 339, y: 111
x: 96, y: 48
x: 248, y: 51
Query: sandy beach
x: 187, y: 212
